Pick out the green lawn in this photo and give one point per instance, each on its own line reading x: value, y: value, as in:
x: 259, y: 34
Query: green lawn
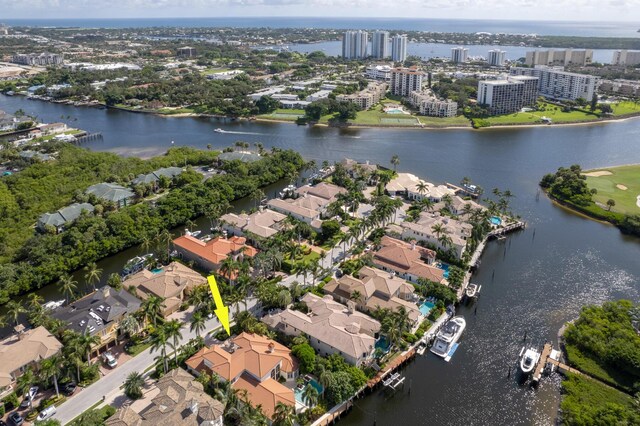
x: 625, y: 108
x: 283, y: 114
x: 607, y: 187
x: 535, y: 117
x: 210, y: 71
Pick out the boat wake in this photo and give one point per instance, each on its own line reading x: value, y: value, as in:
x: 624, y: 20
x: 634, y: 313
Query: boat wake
x: 231, y: 132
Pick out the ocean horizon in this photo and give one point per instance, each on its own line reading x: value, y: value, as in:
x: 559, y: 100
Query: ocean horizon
x: 562, y: 28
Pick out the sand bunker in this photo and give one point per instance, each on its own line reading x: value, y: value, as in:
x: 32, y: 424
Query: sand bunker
x: 621, y: 186
x: 598, y: 173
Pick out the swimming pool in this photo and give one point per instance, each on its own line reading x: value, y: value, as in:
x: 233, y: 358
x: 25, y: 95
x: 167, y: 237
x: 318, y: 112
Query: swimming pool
x: 444, y: 267
x: 495, y: 220
x: 299, y: 391
x: 426, y: 307
x: 394, y: 111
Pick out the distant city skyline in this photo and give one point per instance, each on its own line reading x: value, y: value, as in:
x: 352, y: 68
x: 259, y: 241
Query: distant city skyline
x: 584, y: 10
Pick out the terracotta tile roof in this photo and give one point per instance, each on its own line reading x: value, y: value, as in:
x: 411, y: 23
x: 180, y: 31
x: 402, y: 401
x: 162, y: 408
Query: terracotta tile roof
x: 266, y: 394
x: 170, y: 282
x: 216, y: 250
x: 405, y: 258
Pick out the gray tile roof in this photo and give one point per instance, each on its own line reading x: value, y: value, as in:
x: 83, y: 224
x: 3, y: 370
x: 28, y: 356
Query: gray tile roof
x: 110, y: 191
x: 64, y: 215
x: 170, y: 172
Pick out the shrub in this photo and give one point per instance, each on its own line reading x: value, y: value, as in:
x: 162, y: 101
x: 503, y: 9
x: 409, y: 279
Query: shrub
x: 11, y: 401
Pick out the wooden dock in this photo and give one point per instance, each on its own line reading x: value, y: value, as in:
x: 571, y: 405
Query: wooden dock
x: 542, y: 362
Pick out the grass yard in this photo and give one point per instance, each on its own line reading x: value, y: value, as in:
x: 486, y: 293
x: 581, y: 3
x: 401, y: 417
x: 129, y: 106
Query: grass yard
x: 612, y: 186
x: 283, y: 114
x: 210, y: 71
x: 535, y: 117
x: 625, y: 108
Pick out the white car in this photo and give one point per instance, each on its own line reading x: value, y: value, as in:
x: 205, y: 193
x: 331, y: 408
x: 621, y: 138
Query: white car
x: 109, y: 359
x: 46, y: 413
x: 28, y: 396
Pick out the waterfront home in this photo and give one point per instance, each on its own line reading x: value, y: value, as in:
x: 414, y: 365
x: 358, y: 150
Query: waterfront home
x: 176, y: 399
x: 209, y: 255
x: 99, y: 314
x: 399, y: 184
x: 373, y: 289
x: 251, y: 363
x: 433, y: 227
x: 110, y: 192
x: 155, y: 176
x: 25, y: 348
x: 332, y: 328
x: 244, y: 156
x: 172, y: 283
x: 326, y: 191
x: 426, y: 190
x: 355, y: 169
x: 457, y: 206
x: 53, y: 128
x: 407, y: 260
x: 257, y: 226
x: 35, y: 155
x: 8, y: 122
x: 60, y: 218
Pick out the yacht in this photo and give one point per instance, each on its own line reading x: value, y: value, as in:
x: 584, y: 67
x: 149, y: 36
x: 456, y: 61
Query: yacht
x: 472, y: 290
x: 53, y: 305
x: 219, y: 130
x: 136, y: 264
x: 448, y: 337
x: 528, y: 360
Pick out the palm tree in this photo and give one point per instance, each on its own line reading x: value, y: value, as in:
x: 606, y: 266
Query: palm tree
x: 284, y: 415
x: 133, y: 385
x: 172, y: 330
x: 24, y: 382
x: 197, y: 323
x: 395, y: 161
x: 14, y: 309
x: 50, y: 368
x: 152, y: 308
x: 93, y: 274
x: 67, y: 286
x: 356, y: 296
x: 85, y: 342
x: 35, y: 301
x: 129, y: 325
x: 159, y: 342
x: 445, y: 241
x: 228, y: 268
x: 284, y: 298
x: 421, y: 187
x: 310, y: 395
x: 164, y: 238
x: 438, y: 229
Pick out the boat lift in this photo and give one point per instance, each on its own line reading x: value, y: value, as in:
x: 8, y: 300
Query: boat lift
x: 394, y: 381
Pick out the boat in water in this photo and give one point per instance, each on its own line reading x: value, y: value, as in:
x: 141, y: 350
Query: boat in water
x: 447, y: 339
x: 53, y: 305
x: 472, y: 290
x: 136, y: 264
x: 528, y: 360
x: 422, y: 347
x: 219, y: 130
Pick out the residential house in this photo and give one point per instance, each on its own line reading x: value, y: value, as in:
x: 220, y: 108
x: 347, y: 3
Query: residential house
x: 180, y: 400
x: 355, y: 169
x: 424, y: 230
x: 457, y: 205
x: 407, y: 260
x: 426, y: 190
x: 35, y: 155
x: 119, y: 195
x: 53, y: 128
x: 173, y: 283
x: 154, y: 177
x: 373, y: 289
x: 210, y: 254
x: 332, y: 328
x: 63, y: 216
x: 99, y: 314
x: 22, y: 350
x: 398, y: 185
x: 251, y: 363
x: 256, y: 226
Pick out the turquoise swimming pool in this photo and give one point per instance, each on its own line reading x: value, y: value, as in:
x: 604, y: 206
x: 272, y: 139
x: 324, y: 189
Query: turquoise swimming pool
x: 299, y: 390
x: 444, y: 267
x: 426, y: 307
x: 394, y: 111
x: 495, y: 220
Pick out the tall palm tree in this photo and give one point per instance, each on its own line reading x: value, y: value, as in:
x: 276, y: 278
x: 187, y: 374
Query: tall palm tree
x: 93, y: 274
x: 421, y: 187
x: 173, y: 332
x: 310, y: 395
x: 164, y: 239
x: 67, y: 286
x: 284, y: 415
x: 228, y: 268
x: 439, y: 229
x: 51, y: 368
x: 145, y: 243
x: 24, y: 382
x: 129, y: 325
x: 356, y: 296
x: 133, y: 385
x: 284, y: 298
x: 35, y: 301
x: 159, y: 341
x: 198, y: 323
x: 13, y: 310
x: 395, y: 162
x: 152, y: 308
x: 86, y: 342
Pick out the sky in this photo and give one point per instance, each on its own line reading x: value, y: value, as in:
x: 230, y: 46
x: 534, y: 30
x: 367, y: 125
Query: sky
x: 547, y: 10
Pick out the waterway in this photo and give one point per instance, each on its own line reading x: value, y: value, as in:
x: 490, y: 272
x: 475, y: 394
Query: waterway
x: 532, y: 283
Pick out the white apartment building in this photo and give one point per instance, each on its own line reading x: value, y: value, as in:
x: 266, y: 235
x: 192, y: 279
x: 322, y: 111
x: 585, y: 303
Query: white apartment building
x: 368, y: 97
x: 431, y: 106
x: 496, y: 57
x: 38, y: 59
x: 378, y: 72
x: 557, y: 84
x: 380, y: 45
x: 559, y: 57
x: 626, y: 57
x: 399, y: 48
x: 406, y: 80
x: 354, y: 44
x: 459, y: 54
x: 508, y: 96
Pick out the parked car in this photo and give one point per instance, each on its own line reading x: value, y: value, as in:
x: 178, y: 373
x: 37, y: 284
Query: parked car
x: 109, y: 359
x: 68, y: 389
x: 28, y: 396
x: 46, y: 413
x: 16, y: 418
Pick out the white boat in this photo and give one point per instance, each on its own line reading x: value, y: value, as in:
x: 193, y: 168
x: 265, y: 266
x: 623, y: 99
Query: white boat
x: 528, y: 360
x: 136, y: 264
x: 53, y: 305
x: 447, y: 338
x: 472, y: 290
x: 550, y: 367
x: 219, y: 130
x: 422, y: 347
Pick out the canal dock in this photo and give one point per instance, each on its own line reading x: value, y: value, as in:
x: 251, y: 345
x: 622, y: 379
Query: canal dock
x: 545, y: 358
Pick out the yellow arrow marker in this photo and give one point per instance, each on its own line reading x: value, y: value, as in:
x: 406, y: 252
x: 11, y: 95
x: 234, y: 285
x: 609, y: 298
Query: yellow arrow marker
x: 222, y: 312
